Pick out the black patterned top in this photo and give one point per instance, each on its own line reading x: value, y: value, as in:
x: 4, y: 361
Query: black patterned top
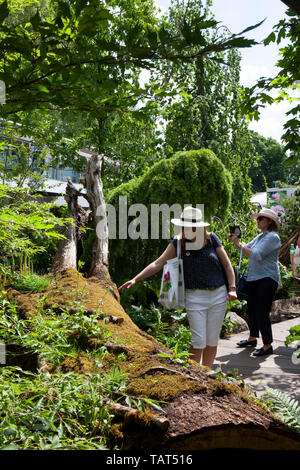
x: 202, y: 268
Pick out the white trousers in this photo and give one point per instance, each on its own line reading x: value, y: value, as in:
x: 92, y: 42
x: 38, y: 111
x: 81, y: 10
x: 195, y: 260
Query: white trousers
x: 205, y: 311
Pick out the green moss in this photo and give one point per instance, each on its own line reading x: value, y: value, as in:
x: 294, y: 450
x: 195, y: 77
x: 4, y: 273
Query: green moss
x: 161, y: 386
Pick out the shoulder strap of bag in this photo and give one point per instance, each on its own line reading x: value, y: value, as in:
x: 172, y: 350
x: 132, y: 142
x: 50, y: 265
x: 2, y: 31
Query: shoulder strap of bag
x: 178, y: 247
x: 241, y: 254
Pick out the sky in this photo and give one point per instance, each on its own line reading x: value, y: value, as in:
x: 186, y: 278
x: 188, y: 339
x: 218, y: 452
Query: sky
x: 258, y: 60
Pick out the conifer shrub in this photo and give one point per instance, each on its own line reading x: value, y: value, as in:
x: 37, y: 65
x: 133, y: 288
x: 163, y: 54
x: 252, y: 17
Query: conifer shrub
x: 187, y: 178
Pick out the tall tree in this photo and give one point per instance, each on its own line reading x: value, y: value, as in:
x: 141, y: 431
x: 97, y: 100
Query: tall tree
x: 268, y: 166
x: 208, y: 112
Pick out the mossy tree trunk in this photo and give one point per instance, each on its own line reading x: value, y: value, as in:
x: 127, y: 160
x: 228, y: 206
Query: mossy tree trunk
x: 199, y: 409
x: 93, y: 184
x: 70, y: 248
x: 66, y: 255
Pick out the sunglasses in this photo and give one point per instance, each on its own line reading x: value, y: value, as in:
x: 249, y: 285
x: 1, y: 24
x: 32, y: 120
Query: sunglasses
x: 260, y: 218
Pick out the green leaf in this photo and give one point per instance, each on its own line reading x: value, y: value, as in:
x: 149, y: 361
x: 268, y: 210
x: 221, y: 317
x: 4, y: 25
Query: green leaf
x: 153, y: 40
x: 207, y: 24
x: 186, y: 32
x: 43, y: 89
x: 251, y: 27
x: 270, y: 38
x: 64, y: 10
x: 4, y: 11
x: 239, y: 42
x: 36, y: 20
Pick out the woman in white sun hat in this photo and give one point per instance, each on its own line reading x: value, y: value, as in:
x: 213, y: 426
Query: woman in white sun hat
x: 262, y: 279
x: 207, y: 270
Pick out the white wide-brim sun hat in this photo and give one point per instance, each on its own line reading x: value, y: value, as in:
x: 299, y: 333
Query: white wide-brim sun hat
x: 269, y: 213
x: 190, y: 217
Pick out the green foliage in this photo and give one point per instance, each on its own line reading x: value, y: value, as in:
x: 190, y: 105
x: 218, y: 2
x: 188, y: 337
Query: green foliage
x: 59, y: 410
x: 192, y: 177
x: 239, y: 306
x: 84, y: 54
x: 291, y: 219
x: 269, y: 165
x: 287, y: 288
x: 287, y: 408
x: 64, y: 411
x: 227, y: 326
x: 30, y: 282
x: 50, y: 335
x: 25, y: 224
x: 168, y: 327
x: 206, y: 114
x: 286, y: 80
x: 21, y: 161
x: 294, y: 336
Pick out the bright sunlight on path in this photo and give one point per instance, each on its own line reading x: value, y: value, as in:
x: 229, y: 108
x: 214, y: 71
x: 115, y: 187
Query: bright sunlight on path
x: 277, y: 370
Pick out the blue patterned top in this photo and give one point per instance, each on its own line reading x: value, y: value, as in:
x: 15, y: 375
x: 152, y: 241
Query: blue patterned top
x: 202, y: 268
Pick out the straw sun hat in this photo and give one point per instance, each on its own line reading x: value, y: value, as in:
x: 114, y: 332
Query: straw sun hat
x: 269, y: 213
x: 190, y: 217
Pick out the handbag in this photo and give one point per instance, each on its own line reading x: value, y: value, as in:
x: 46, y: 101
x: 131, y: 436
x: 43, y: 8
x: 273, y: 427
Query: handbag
x: 241, y: 280
x: 172, y: 282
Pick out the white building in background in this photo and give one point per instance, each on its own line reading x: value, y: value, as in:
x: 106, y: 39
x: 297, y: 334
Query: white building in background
x: 259, y: 199
x: 55, y: 178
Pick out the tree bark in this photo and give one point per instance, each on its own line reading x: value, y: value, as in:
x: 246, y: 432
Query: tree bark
x: 66, y: 255
x: 293, y: 4
x: 93, y: 184
x: 70, y: 248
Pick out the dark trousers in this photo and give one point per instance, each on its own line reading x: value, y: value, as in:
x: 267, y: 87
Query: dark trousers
x: 260, y: 297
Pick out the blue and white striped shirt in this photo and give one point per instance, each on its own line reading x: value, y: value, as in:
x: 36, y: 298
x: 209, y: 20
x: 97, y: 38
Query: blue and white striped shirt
x: 263, y: 260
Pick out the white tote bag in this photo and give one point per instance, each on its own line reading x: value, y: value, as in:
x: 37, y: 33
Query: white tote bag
x: 172, y: 282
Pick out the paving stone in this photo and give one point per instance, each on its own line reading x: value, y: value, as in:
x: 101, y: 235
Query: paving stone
x: 277, y: 370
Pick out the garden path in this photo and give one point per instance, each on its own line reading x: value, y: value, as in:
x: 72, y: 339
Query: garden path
x: 279, y: 370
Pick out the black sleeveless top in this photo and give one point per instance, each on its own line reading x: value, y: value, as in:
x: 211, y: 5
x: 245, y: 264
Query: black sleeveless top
x: 202, y: 268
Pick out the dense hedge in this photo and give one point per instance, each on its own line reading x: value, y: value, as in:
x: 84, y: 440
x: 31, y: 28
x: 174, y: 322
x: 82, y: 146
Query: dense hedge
x: 192, y: 177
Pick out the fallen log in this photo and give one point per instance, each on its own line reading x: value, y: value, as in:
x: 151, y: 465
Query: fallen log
x: 199, y: 410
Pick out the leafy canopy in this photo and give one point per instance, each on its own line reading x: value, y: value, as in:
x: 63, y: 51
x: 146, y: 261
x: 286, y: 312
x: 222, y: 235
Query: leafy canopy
x: 82, y: 54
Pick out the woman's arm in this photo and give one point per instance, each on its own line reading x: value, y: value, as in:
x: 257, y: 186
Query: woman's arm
x: 246, y: 251
x: 153, y: 267
x: 225, y: 261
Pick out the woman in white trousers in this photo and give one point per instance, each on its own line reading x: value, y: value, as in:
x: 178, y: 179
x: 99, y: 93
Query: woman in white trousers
x: 209, y: 282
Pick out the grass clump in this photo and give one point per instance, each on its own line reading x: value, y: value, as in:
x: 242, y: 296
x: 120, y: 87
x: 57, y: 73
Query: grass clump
x: 64, y: 411
x: 30, y: 282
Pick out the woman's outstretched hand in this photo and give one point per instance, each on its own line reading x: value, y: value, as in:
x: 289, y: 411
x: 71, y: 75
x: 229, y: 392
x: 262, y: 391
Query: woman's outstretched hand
x: 127, y: 284
x: 231, y: 295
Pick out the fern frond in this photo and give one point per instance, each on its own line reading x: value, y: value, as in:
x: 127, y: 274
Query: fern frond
x: 286, y: 407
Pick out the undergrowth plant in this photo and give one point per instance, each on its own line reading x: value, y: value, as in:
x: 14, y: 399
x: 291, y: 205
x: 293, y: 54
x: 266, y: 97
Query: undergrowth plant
x: 168, y: 327
x: 286, y: 407
x: 50, y: 335
x: 294, y: 337
x: 30, y: 282
x: 64, y: 411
